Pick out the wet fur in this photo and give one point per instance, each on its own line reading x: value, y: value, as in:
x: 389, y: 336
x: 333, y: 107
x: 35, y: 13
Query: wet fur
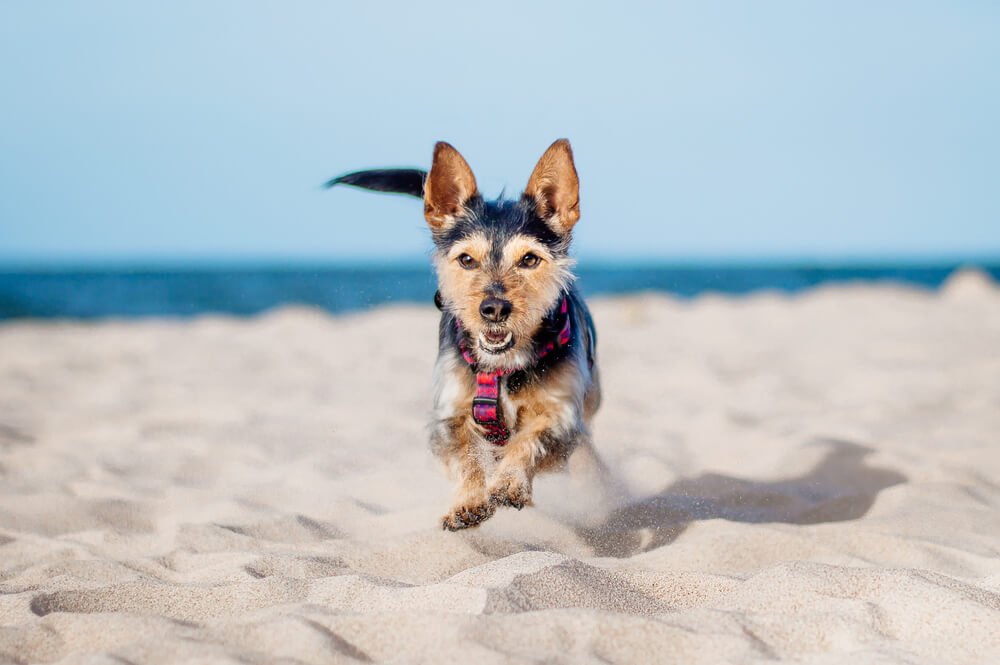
x: 547, y: 403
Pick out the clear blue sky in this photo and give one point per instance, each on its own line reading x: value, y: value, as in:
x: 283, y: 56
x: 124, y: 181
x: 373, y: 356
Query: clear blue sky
x: 202, y: 130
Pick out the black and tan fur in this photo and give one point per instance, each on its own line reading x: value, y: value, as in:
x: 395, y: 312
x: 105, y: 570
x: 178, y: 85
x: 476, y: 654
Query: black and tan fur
x: 503, y: 268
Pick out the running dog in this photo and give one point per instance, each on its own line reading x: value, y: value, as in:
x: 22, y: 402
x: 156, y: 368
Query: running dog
x: 516, y: 382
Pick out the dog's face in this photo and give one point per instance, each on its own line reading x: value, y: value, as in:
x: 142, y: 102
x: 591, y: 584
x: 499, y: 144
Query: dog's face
x: 503, y: 265
x: 500, y: 277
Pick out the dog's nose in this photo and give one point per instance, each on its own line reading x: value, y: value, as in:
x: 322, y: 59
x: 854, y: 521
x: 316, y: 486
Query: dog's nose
x: 495, y: 309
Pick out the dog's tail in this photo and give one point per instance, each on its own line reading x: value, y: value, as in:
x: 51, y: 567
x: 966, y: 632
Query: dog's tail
x: 394, y: 181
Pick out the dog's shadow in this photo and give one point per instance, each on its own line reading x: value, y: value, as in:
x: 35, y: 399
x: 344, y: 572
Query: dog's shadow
x: 841, y: 487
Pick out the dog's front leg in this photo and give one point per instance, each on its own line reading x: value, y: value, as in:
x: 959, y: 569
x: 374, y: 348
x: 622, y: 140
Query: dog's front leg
x: 510, y: 483
x: 471, y: 505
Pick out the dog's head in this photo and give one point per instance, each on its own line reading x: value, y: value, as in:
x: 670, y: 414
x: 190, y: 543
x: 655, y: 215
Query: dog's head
x: 502, y: 265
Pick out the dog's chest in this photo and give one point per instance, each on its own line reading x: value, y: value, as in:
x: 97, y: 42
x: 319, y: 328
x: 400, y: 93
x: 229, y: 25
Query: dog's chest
x: 524, y: 401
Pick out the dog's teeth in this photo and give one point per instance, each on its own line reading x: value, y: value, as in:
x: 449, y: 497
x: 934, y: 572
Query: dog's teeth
x: 486, y: 341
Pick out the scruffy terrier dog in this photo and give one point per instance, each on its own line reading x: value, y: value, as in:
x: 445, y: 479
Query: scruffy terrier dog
x: 515, y: 384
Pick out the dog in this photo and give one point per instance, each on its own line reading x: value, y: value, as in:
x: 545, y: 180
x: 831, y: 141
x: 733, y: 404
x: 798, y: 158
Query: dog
x: 516, y: 382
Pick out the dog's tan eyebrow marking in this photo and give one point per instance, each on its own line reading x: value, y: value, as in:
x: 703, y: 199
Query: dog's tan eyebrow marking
x: 520, y: 245
x: 477, y: 246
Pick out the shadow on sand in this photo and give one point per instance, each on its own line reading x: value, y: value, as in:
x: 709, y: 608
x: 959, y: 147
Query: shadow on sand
x: 841, y: 487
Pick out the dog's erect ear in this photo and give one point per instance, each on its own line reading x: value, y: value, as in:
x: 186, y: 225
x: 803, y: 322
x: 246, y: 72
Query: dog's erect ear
x: 555, y: 187
x: 448, y: 187
x: 394, y: 181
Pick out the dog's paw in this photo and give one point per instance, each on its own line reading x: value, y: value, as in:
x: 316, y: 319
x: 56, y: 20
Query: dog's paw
x: 512, y: 492
x: 465, y: 516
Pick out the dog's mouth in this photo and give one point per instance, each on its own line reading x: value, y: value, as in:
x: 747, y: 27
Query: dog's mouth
x: 496, y: 342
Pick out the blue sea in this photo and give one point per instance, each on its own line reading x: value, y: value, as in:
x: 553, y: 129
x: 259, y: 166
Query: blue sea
x: 93, y: 294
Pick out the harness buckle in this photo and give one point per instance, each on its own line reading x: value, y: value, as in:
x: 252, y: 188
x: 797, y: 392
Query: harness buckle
x: 485, y: 401
x: 486, y: 410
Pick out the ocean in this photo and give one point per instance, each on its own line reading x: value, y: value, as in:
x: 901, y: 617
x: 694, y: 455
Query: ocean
x: 94, y: 294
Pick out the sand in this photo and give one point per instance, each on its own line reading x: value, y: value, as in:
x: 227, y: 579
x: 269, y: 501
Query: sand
x: 812, y: 478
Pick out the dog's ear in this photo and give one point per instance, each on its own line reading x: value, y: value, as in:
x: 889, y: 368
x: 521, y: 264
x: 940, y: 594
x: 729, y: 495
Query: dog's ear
x: 555, y: 187
x: 448, y: 187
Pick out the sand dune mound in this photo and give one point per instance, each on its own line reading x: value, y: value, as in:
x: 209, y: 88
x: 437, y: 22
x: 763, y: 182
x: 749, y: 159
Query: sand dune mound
x: 971, y: 284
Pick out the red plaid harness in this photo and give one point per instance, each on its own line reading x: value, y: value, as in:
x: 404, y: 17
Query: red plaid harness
x: 486, y: 404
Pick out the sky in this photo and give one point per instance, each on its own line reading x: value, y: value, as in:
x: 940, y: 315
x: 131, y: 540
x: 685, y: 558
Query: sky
x: 201, y: 131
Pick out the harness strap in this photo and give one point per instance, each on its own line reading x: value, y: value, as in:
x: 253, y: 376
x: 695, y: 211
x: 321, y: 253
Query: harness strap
x: 486, y: 409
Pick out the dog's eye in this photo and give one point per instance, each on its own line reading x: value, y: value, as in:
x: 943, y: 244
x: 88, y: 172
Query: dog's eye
x: 529, y: 260
x: 467, y: 262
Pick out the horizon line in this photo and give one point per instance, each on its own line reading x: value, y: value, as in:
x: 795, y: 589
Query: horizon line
x: 162, y: 263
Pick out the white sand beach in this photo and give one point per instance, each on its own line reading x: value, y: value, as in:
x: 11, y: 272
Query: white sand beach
x: 811, y: 478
